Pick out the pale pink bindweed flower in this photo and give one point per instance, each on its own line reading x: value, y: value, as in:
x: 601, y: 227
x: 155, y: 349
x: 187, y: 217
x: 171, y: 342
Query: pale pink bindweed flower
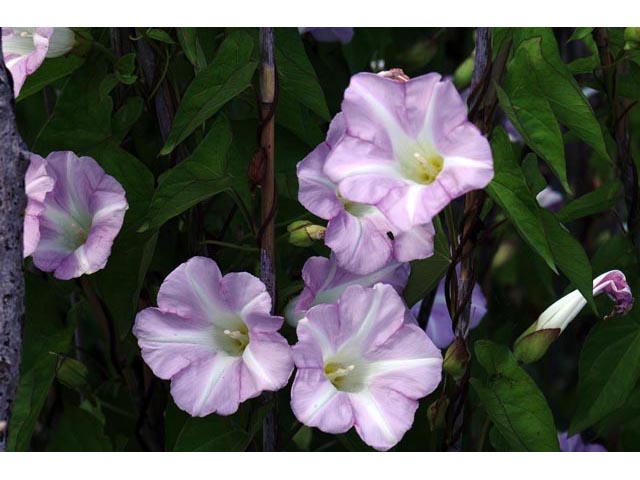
x: 82, y: 216
x: 359, y: 234
x: 408, y: 148
x: 37, y: 184
x: 363, y: 362
x: 214, y: 337
x: 325, y: 281
x: 25, y: 48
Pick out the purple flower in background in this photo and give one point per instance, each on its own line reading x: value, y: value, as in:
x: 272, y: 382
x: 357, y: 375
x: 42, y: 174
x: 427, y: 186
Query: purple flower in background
x: 550, y: 199
x: 329, y: 34
x: 25, y: 48
x: 408, y: 148
x: 363, y: 362
x: 439, y: 325
x: 576, y: 444
x: 82, y: 216
x: 325, y: 281
x: 37, y: 184
x: 214, y: 338
x: 361, y: 237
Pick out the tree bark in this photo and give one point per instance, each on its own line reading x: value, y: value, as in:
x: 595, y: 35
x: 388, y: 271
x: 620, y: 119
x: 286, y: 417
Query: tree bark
x: 13, y: 166
x: 268, y: 99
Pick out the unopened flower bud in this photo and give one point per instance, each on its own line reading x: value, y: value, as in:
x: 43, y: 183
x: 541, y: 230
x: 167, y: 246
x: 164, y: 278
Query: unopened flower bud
x: 303, y: 233
x: 437, y: 413
x: 535, y: 341
x: 462, y: 75
x: 456, y: 359
x: 631, y: 38
x: 533, y: 344
x: 396, y: 74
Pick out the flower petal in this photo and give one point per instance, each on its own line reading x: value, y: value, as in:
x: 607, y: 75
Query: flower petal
x: 317, y: 193
x: 244, y: 293
x: 83, y: 214
x: 415, y: 243
x: 268, y: 358
x: 408, y: 362
x: 364, y: 172
x: 316, y: 402
x: 209, y: 386
x: 382, y: 416
x: 317, y: 336
x: 368, y: 316
x: 359, y: 244
x: 193, y: 291
x: 170, y: 343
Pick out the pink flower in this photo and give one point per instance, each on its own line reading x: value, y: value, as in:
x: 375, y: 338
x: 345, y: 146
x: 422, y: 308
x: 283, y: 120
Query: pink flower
x: 363, y: 362
x: 408, y: 148
x: 25, y: 48
x: 214, y: 338
x: 37, y: 184
x: 82, y: 216
x: 360, y: 235
x: 325, y: 281
x: 440, y: 326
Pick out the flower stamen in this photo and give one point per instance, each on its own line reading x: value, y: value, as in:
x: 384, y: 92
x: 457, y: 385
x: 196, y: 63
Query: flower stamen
x: 335, y: 372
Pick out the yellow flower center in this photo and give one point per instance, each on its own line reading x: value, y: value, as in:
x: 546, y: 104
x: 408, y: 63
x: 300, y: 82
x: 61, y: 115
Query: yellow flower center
x: 237, y: 340
x: 337, y: 373
x: 423, y: 166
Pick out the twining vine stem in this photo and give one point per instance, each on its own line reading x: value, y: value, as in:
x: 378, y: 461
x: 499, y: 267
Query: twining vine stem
x: 482, y: 105
x: 13, y: 201
x: 266, y: 235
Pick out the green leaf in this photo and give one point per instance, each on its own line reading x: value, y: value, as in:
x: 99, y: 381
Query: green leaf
x: 537, y: 226
x: 604, y: 198
x: 569, y: 255
x: 580, y: 32
x: 532, y: 174
x: 78, y: 431
x: 52, y: 70
x: 125, y: 68
x: 297, y: 78
x: 160, y: 35
x: 44, y: 332
x: 510, y: 190
x: 513, y: 401
x: 213, y: 433
x: 82, y: 115
x: 531, y: 114
x: 426, y: 273
x: 609, y: 369
x: 564, y: 94
x: 199, y: 177
x: 188, y: 38
x: 73, y: 374
x: 229, y: 74
x: 119, y: 283
x: 124, y: 119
